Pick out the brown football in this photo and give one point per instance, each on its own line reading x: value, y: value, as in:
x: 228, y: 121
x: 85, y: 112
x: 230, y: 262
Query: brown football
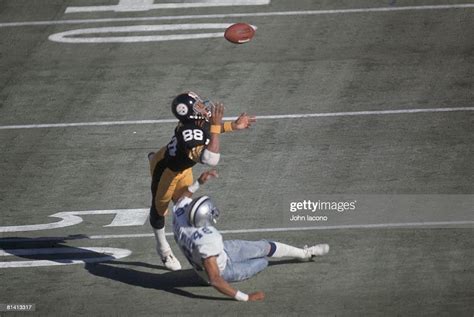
x: 239, y: 33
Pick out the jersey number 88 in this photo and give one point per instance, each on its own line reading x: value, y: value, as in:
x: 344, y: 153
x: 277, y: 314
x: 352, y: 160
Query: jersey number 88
x: 195, y: 134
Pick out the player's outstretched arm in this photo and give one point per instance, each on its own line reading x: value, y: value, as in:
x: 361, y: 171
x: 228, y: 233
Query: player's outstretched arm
x: 212, y: 270
x: 211, y: 155
x: 244, y: 121
x: 206, y: 176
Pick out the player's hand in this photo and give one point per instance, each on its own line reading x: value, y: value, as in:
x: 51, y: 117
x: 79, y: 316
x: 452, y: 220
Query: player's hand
x: 217, y: 113
x: 257, y: 296
x: 244, y: 121
x: 207, y: 175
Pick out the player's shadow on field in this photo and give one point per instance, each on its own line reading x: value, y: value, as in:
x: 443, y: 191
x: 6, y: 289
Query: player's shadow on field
x: 168, y: 282
x: 285, y: 261
x: 34, y: 249
x: 110, y: 268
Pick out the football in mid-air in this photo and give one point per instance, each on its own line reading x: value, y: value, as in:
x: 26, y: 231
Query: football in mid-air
x: 239, y: 33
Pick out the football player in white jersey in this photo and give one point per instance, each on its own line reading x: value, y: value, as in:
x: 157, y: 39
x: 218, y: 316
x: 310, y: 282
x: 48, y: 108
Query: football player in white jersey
x: 219, y: 262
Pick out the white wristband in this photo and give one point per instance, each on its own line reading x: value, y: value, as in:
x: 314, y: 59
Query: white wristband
x: 194, y: 187
x: 241, y: 297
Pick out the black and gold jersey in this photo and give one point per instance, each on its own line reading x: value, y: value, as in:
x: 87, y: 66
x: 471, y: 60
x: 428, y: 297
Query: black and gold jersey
x: 185, y: 148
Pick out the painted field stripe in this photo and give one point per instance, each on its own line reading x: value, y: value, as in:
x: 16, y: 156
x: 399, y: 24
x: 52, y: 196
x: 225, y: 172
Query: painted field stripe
x: 256, y: 230
x: 150, y: 5
x: 85, y: 124
x: 123, y: 218
x: 289, y: 229
x: 263, y: 117
x: 64, y: 250
x: 102, y: 255
x: 242, y: 15
x: 71, y: 36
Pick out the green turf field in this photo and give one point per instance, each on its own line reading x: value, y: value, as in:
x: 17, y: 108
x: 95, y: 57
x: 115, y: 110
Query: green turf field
x: 356, y: 100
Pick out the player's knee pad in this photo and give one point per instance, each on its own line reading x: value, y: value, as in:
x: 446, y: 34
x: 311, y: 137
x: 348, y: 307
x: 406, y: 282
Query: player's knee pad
x: 156, y: 221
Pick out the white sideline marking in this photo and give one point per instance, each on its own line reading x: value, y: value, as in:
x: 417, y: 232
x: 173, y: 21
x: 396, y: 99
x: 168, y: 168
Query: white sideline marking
x: 123, y: 218
x: 127, y: 5
x: 260, y: 230
x: 107, y: 255
x: 84, y: 124
x: 256, y: 230
x: 243, y: 15
x: 45, y: 251
x: 69, y: 36
x: 264, y: 117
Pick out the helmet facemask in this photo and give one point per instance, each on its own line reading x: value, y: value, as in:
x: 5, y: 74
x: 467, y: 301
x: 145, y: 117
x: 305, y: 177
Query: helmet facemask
x: 202, y: 212
x: 214, y: 214
x: 202, y: 110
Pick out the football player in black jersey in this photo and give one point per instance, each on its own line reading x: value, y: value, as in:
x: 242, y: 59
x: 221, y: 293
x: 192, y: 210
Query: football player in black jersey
x: 195, y: 140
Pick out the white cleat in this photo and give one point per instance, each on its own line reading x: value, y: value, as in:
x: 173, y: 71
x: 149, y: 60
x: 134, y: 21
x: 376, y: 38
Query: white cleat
x: 316, y: 250
x: 171, y: 262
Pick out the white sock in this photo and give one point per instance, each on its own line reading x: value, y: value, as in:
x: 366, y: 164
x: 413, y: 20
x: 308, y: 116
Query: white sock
x: 162, y: 245
x: 285, y: 250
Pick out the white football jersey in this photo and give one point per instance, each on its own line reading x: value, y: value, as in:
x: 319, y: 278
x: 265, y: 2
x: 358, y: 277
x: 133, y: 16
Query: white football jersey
x: 197, y: 243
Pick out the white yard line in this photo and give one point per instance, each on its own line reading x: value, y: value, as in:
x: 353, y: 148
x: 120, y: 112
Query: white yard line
x: 242, y: 15
x: 288, y: 229
x: 145, y: 5
x: 101, y: 255
x: 263, y: 117
x: 259, y: 230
